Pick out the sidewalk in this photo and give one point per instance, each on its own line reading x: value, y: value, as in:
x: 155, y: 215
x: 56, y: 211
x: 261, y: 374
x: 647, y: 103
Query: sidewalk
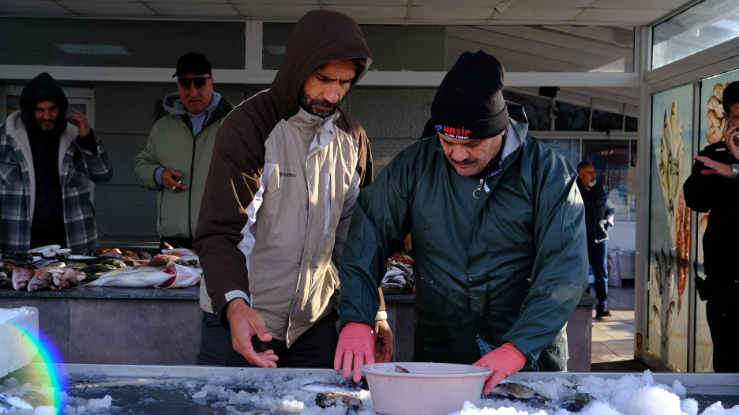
x: 613, y: 337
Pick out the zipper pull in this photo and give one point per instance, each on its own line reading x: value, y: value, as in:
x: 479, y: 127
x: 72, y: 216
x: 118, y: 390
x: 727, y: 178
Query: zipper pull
x: 479, y: 188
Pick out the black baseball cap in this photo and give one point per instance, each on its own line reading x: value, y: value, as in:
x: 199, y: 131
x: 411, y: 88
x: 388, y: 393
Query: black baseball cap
x: 192, y: 62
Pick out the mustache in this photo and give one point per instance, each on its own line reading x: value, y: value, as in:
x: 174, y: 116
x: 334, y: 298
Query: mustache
x: 465, y: 161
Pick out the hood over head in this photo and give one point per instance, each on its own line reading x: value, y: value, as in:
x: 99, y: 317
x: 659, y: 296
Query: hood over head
x: 43, y: 88
x: 318, y: 38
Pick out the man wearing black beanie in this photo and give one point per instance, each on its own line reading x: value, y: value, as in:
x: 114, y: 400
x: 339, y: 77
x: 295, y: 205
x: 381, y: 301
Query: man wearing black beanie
x: 46, y: 172
x: 498, y: 234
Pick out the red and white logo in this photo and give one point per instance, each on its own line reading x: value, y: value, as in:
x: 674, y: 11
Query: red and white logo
x: 460, y: 133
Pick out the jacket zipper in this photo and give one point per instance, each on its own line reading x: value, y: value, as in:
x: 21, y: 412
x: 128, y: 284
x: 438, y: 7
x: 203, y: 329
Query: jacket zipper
x: 189, y: 189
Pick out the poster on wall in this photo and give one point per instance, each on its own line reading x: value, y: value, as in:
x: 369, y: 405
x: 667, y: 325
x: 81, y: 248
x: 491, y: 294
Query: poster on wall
x: 669, y: 236
x: 712, y: 121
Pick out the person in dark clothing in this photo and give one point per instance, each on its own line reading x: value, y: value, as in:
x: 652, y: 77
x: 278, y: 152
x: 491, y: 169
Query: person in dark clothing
x: 598, y: 222
x: 50, y: 163
x: 713, y: 186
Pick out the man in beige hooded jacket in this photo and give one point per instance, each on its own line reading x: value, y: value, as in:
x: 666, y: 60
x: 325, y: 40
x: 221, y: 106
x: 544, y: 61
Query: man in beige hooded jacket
x: 287, y: 167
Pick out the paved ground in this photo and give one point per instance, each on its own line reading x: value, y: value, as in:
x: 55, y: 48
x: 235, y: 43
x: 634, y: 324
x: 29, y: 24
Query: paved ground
x: 613, y: 337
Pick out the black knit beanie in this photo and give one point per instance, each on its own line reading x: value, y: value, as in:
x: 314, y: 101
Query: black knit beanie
x: 469, y: 103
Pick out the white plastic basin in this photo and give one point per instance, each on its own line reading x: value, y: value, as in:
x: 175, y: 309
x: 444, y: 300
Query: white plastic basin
x: 429, y: 388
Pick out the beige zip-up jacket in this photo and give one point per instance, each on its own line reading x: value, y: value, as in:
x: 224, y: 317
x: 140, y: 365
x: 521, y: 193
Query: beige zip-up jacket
x: 281, y: 189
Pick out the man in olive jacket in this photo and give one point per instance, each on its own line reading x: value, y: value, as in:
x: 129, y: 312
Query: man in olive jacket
x: 498, y: 236
x: 176, y: 158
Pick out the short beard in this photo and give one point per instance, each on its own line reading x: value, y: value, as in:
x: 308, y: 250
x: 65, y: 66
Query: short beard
x: 41, y: 125
x: 592, y: 183
x: 308, y: 104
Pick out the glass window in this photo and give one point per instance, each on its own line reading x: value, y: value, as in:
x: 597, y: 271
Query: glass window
x: 393, y: 47
x: 632, y: 124
x: 436, y: 48
x: 702, y: 26
x: 570, y: 149
x: 605, y: 121
x: 120, y: 43
x: 536, y: 108
x: 611, y: 159
x: 572, y: 117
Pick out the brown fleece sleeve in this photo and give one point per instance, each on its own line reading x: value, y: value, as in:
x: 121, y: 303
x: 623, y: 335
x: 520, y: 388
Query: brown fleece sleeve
x: 364, y: 164
x: 233, y: 180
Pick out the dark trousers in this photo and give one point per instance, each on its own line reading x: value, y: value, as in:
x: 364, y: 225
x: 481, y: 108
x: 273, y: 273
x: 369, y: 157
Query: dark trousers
x: 598, y: 258
x: 723, y: 316
x: 314, y: 349
x: 175, y: 242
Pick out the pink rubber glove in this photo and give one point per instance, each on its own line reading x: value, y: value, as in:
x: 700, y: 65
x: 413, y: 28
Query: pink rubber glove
x: 505, y: 361
x: 356, y: 343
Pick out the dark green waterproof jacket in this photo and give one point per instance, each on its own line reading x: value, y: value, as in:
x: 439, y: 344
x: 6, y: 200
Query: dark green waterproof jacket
x: 507, y: 267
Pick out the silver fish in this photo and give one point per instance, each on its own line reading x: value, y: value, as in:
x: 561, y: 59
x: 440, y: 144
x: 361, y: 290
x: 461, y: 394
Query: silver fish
x: 21, y: 276
x: 8, y: 402
x: 517, y: 391
x: 576, y: 402
x: 324, y: 387
x: 132, y: 279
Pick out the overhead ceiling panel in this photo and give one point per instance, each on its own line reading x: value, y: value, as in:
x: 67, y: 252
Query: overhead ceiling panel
x: 31, y: 7
x: 276, y: 12
x: 549, y: 3
x: 621, y: 15
x: 459, y: 3
x: 449, y: 14
x: 108, y: 8
x: 277, y: 2
x: 639, y: 4
x: 536, y: 14
x: 185, y: 2
x: 403, y: 3
x: 369, y: 13
x: 205, y: 10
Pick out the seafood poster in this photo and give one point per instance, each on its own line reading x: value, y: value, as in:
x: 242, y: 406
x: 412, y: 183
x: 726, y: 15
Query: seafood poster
x: 669, y: 235
x: 711, y: 124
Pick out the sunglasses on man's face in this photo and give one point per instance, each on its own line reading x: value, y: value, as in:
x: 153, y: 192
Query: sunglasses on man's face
x: 199, y: 81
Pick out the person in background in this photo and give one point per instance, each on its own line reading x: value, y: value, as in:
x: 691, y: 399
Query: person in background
x: 713, y: 186
x: 598, y: 222
x: 498, y: 237
x: 177, y: 155
x: 286, y: 170
x: 47, y: 165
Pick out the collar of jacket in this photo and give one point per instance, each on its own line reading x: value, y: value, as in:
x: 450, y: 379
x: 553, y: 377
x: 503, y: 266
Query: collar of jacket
x: 224, y: 108
x: 16, y: 129
x: 325, y: 129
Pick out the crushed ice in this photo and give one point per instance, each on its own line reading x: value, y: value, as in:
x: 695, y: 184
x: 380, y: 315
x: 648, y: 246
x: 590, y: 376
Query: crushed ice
x: 264, y: 392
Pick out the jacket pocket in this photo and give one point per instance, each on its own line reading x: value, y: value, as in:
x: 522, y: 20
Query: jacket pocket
x: 327, y: 220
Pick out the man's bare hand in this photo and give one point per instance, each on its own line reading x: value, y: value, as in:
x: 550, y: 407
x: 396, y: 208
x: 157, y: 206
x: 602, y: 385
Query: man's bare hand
x: 383, y: 342
x: 171, y: 180
x: 246, y: 322
x: 730, y: 137
x: 83, y: 126
x: 714, y: 167
x: 408, y: 243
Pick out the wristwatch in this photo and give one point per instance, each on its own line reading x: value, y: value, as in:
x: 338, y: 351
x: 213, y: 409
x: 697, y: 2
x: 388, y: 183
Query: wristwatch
x: 735, y: 171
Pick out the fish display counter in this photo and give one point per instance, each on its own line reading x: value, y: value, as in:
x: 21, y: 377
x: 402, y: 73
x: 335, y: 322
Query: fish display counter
x: 109, y: 389
x: 123, y: 308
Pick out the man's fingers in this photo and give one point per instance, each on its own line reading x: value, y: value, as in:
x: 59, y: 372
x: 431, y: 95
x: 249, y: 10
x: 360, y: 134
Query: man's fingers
x: 492, y: 381
x: 261, y: 331
x: 348, y: 354
x: 338, y: 358
x: 359, y: 362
